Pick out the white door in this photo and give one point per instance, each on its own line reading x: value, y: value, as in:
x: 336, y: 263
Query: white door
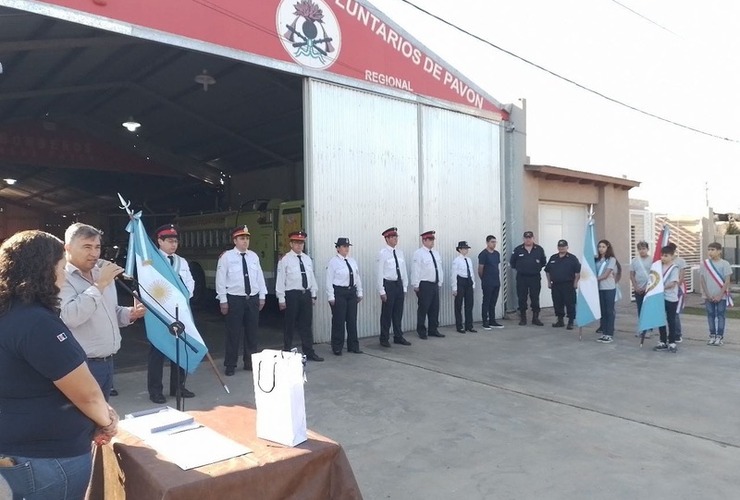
x: 560, y: 221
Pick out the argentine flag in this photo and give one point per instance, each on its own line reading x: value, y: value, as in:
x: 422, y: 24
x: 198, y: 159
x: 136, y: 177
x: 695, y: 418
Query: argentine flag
x: 165, y: 296
x: 588, y: 308
x: 652, y: 314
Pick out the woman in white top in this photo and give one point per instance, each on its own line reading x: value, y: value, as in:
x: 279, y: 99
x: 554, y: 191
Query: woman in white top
x: 606, y: 272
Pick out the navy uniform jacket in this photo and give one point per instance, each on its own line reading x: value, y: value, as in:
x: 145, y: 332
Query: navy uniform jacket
x: 528, y: 263
x: 563, y: 269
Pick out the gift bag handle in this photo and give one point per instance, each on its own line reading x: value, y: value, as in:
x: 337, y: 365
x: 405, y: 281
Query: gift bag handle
x: 259, y: 377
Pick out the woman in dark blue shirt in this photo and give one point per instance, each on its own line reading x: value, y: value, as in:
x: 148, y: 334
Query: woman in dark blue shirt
x: 51, y: 407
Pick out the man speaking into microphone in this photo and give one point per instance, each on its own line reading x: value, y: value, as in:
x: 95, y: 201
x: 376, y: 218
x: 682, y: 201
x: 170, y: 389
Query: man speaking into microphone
x: 89, y: 302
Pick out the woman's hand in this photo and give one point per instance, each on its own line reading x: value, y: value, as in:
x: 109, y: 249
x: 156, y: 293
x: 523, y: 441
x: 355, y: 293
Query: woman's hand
x: 103, y: 435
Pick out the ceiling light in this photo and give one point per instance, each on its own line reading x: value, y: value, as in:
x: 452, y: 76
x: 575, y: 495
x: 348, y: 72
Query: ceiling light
x: 10, y: 181
x: 205, y: 79
x: 131, y: 125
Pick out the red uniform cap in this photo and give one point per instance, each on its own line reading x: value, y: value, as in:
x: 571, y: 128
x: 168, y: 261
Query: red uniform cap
x: 391, y: 231
x: 167, y: 231
x: 240, y: 231
x: 428, y: 235
x: 297, y: 236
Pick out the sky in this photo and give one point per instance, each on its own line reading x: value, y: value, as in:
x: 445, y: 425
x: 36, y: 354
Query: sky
x: 671, y: 58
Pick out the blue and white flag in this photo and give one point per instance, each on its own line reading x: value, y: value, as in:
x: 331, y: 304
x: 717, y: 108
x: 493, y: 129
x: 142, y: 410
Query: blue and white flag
x: 588, y: 308
x: 652, y: 313
x: 165, y: 296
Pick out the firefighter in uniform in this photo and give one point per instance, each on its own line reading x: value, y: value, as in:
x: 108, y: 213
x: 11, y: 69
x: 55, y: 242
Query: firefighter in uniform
x: 392, y: 282
x: 296, y: 291
x: 344, y: 289
x: 241, y: 291
x: 528, y: 259
x: 563, y: 271
x: 426, y: 278
x: 167, y: 240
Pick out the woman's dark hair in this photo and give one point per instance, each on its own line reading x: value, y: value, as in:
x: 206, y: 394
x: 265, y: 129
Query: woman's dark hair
x: 28, y: 262
x: 609, y: 250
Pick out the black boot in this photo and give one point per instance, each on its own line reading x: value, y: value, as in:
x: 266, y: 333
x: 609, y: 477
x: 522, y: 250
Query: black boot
x: 570, y: 324
x: 522, y: 318
x: 536, y: 319
x: 559, y: 323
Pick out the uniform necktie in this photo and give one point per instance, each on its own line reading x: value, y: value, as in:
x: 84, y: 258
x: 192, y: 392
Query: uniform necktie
x: 467, y: 266
x: 172, y: 260
x: 304, y: 278
x: 351, y: 274
x: 436, y: 271
x: 398, y: 269
x: 245, y: 270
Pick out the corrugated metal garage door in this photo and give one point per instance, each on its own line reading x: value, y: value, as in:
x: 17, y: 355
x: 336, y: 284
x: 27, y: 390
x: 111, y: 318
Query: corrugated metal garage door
x: 373, y: 162
x: 362, y: 168
x: 560, y: 221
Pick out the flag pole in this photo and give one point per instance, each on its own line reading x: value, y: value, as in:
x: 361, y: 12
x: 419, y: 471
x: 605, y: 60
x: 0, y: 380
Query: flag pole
x: 126, y: 206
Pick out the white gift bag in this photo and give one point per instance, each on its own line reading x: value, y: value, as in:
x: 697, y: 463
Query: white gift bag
x: 278, y: 395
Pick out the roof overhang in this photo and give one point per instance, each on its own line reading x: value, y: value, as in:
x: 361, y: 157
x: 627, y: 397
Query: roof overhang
x: 579, y: 177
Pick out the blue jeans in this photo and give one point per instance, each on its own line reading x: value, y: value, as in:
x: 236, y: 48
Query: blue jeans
x: 49, y: 478
x: 102, y: 372
x: 716, y: 316
x: 606, y: 300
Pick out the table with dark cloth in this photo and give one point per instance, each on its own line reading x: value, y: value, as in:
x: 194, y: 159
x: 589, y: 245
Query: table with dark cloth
x: 317, y: 469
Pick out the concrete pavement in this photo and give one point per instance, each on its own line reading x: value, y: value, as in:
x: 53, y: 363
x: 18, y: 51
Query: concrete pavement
x: 519, y: 413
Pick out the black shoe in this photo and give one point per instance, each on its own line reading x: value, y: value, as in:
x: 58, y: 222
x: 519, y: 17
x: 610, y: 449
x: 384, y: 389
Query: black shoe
x: 401, y: 341
x: 495, y: 324
x: 437, y: 334
x: 461, y: 330
x: 522, y: 322
x: 558, y: 324
x: 599, y: 330
x: 229, y: 371
x: 423, y: 336
x: 184, y: 393
x: 113, y: 392
x: 570, y: 325
x: 314, y: 357
x: 472, y: 330
x: 537, y: 322
x: 157, y: 398
x: 486, y: 327
x: 337, y: 353
x: 385, y: 343
x: 248, y: 368
x: 356, y: 351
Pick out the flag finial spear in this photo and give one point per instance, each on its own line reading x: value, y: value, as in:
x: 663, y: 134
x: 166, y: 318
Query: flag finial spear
x: 591, y: 212
x: 125, y: 205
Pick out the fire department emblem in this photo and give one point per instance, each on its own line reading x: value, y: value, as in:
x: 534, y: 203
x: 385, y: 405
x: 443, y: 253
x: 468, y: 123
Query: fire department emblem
x: 309, y: 32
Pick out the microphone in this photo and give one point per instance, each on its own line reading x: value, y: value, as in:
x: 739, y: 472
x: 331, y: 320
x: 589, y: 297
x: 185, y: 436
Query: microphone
x: 122, y: 276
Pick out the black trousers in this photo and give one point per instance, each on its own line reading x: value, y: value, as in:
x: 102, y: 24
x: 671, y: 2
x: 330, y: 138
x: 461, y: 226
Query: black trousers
x: 670, y: 313
x: 528, y: 286
x: 344, y: 313
x: 391, y: 311
x: 488, y: 307
x: 242, y: 320
x: 155, y: 369
x: 298, y: 316
x: 464, y: 295
x: 428, y: 308
x: 564, y: 299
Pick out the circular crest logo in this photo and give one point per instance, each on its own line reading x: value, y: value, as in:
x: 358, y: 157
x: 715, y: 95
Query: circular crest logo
x: 309, y: 32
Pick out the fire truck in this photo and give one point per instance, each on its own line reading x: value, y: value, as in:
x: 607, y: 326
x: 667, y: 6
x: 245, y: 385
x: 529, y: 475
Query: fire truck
x: 204, y: 237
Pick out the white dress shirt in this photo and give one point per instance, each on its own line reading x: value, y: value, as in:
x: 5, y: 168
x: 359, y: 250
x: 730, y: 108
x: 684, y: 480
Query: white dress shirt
x: 289, y: 275
x: 337, y: 273
x: 182, y: 268
x: 422, y: 267
x: 386, y: 268
x: 230, y: 275
x: 459, y: 269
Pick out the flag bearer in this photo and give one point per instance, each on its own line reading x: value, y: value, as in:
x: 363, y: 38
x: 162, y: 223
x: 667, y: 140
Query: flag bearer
x: 168, y: 240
